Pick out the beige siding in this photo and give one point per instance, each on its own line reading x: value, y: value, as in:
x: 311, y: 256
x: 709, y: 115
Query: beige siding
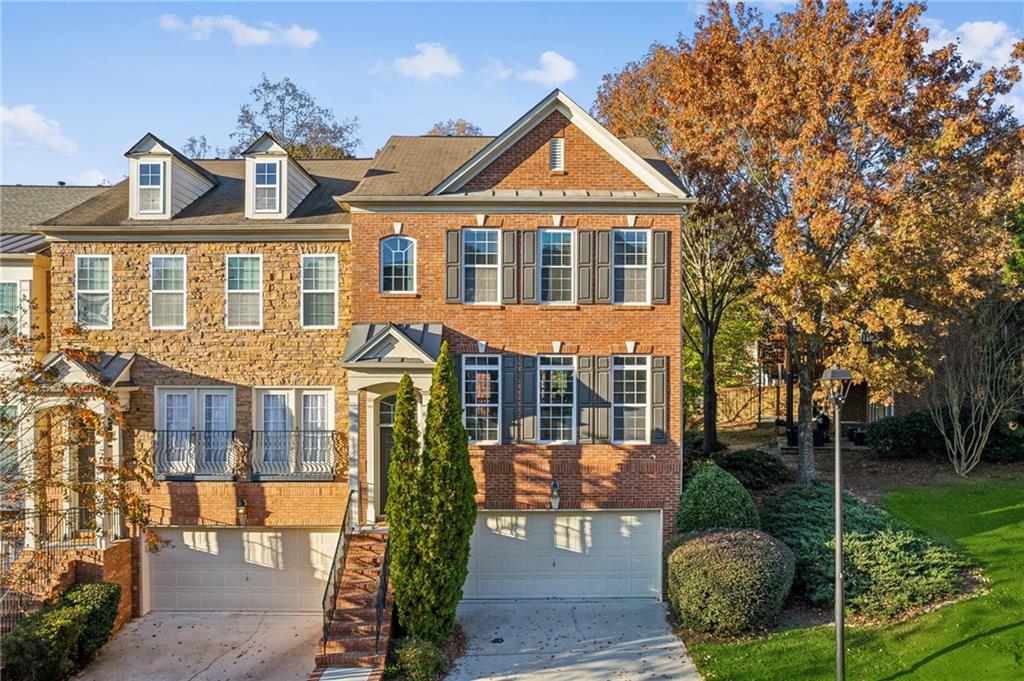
x: 299, y: 186
x: 186, y: 186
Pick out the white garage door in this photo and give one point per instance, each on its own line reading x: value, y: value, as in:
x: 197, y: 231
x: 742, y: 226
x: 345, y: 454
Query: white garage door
x: 235, y: 569
x: 551, y: 554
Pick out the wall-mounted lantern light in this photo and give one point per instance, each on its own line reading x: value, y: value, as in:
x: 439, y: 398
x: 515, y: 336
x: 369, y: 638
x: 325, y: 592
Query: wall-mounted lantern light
x: 554, y: 495
x: 241, y: 512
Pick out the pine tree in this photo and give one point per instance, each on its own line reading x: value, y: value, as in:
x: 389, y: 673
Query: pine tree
x: 407, y: 507
x: 452, y: 504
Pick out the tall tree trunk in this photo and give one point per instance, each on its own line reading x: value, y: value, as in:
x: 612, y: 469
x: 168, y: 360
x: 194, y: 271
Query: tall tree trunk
x: 805, y: 420
x: 707, y: 338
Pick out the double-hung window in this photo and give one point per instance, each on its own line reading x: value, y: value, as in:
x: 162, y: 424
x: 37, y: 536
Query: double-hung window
x: 557, y: 398
x: 167, y: 292
x: 630, y: 402
x: 480, y: 258
x: 10, y: 313
x: 632, y: 259
x: 481, y: 391
x: 556, y: 264
x: 398, y: 265
x: 151, y: 187
x: 93, y: 291
x: 319, y: 291
x: 266, y: 187
x: 244, y: 294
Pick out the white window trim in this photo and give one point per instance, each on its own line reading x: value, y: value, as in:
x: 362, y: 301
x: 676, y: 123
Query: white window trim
x: 559, y: 165
x: 227, y: 291
x: 195, y: 393
x: 303, y: 291
x: 462, y: 388
x: 463, y: 266
x: 647, y: 404
x: 183, y: 292
x: 161, y: 186
x: 415, y: 258
x: 110, y: 290
x: 540, y: 266
x: 575, y: 401
x: 277, y: 187
x: 293, y: 402
x: 649, y: 268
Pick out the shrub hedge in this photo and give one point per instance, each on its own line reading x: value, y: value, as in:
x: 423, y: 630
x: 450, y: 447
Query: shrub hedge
x: 888, y: 566
x: 51, y: 644
x: 417, y: 660
x: 728, y: 581
x: 914, y: 435
x: 714, y: 498
x: 693, y: 444
x: 754, y: 468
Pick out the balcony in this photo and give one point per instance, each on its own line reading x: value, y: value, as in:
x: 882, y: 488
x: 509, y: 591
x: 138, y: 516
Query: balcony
x: 294, y: 454
x: 195, y: 453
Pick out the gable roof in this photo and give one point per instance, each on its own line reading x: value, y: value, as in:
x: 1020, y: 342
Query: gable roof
x: 412, y: 166
x: 393, y: 344
x: 260, y: 147
x: 111, y: 369
x: 22, y: 207
x: 559, y: 101
x: 140, y: 147
x: 224, y: 204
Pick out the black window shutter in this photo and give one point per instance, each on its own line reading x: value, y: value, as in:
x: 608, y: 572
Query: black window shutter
x: 659, y: 399
x: 528, y: 266
x: 603, y: 267
x: 509, y: 256
x: 602, y: 404
x: 585, y: 267
x: 660, y: 268
x: 584, y: 410
x: 452, y: 265
x: 508, y: 398
x: 528, y: 399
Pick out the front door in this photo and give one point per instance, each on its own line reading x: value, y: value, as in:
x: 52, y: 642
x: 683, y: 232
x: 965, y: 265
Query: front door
x: 386, y: 439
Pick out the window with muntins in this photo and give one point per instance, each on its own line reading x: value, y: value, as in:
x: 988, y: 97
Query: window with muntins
x: 319, y: 291
x: 93, y: 291
x: 151, y: 187
x: 556, y: 265
x: 481, y: 390
x: 480, y: 260
x: 167, y: 292
x: 244, y: 282
x: 398, y: 265
x: 631, y: 248
x: 629, y: 398
x: 557, y: 398
x: 266, y: 187
x: 9, y: 313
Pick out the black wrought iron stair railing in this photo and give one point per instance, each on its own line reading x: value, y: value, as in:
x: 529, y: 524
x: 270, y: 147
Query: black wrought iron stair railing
x: 331, y: 589
x: 382, y: 592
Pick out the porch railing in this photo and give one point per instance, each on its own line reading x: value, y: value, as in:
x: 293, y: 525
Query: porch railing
x: 330, y: 600
x: 194, y: 452
x: 294, y: 453
x: 382, y: 592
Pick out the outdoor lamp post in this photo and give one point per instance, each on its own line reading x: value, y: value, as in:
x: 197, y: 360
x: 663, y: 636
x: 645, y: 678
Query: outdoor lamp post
x: 837, y: 384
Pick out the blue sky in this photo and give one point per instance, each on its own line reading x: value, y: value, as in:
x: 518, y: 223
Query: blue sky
x: 82, y: 82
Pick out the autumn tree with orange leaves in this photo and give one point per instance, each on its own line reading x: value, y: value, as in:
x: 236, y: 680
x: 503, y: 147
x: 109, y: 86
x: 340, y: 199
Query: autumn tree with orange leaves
x: 879, y: 171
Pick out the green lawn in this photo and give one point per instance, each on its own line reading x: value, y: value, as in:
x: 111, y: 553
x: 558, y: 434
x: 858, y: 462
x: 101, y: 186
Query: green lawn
x: 980, y: 638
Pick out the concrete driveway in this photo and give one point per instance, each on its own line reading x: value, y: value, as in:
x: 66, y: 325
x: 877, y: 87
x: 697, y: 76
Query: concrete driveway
x: 625, y: 640
x: 210, y: 646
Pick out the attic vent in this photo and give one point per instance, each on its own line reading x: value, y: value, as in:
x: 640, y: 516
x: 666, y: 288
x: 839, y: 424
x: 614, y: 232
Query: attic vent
x: 557, y: 154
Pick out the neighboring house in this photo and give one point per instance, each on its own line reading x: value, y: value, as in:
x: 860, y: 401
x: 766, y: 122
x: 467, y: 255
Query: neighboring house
x: 266, y: 308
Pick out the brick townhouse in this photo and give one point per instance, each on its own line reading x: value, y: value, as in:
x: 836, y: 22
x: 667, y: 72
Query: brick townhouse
x: 255, y: 315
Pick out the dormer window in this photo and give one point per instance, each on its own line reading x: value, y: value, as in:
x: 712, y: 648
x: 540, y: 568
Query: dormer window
x: 557, y: 154
x: 267, y: 187
x: 151, y: 187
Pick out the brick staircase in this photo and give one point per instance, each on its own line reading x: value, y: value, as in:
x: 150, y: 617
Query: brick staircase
x: 352, y: 638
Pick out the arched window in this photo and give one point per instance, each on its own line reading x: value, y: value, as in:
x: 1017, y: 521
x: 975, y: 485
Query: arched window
x: 398, y: 265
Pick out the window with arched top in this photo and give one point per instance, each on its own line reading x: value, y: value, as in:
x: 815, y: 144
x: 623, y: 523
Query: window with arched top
x: 398, y: 265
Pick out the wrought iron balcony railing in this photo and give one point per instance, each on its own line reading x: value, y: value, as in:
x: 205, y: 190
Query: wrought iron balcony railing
x: 195, y: 452
x: 293, y: 453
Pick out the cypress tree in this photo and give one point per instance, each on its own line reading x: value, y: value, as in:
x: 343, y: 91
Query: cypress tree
x: 406, y: 510
x: 451, y: 489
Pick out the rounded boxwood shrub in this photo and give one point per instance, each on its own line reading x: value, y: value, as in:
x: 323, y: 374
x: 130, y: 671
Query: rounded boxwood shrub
x: 728, y: 581
x: 754, y: 468
x: 714, y: 498
x: 419, y: 660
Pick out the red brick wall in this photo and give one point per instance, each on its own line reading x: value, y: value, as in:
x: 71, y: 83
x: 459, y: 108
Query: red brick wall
x: 274, y: 504
x: 114, y: 565
x: 526, y: 164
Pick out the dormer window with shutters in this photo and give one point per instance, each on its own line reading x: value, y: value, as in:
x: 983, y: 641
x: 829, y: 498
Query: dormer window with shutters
x: 275, y: 183
x: 557, y: 153
x: 162, y: 182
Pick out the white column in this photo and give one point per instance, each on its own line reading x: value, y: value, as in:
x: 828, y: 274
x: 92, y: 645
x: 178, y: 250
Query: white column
x: 100, y: 460
x: 353, y: 455
x: 27, y: 458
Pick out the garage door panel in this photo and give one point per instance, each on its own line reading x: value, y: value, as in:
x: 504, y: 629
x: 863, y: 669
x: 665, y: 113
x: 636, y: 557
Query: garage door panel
x: 239, y: 570
x: 569, y: 554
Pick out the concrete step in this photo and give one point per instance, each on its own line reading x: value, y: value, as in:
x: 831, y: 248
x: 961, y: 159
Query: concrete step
x: 349, y: 660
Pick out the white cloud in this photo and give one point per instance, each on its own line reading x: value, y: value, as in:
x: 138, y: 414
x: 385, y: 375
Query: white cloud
x: 25, y: 126
x: 267, y: 34
x: 496, y: 69
x: 554, y: 70
x: 91, y: 177
x: 430, y: 60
